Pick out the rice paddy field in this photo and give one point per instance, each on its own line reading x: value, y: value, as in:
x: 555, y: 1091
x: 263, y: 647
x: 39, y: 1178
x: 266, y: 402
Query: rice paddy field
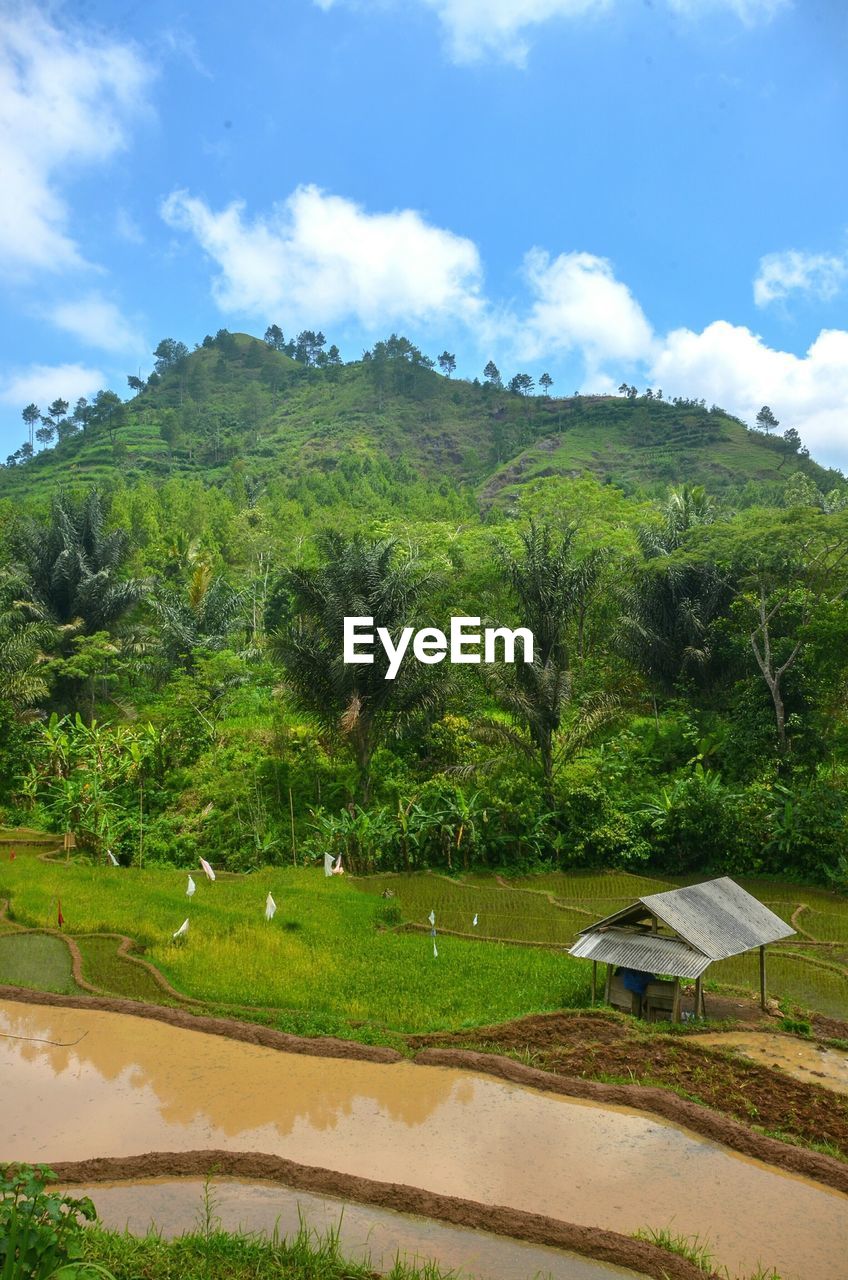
x: 810, y: 970
x: 326, y: 959
x: 349, y: 955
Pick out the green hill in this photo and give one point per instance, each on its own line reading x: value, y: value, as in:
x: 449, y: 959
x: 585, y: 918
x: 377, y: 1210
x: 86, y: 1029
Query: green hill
x: 236, y: 402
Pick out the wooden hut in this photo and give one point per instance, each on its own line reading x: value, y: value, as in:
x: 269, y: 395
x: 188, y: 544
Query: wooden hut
x: 678, y: 933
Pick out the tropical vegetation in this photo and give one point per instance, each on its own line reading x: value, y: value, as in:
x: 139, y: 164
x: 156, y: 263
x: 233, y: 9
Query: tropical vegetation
x: 175, y: 571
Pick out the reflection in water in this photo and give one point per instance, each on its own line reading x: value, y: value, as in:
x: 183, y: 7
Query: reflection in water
x: 379, y: 1235
x: 133, y: 1085
x: 192, y: 1074
x: 807, y: 1062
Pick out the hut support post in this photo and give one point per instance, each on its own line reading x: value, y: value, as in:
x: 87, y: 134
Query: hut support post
x: 594, y: 980
x: 763, y: 978
x: 608, y: 984
x: 675, y: 1008
x: 699, y: 997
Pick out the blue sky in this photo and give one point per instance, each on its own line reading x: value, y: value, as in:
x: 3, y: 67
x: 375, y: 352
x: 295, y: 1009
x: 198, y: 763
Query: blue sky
x: 648, y: 190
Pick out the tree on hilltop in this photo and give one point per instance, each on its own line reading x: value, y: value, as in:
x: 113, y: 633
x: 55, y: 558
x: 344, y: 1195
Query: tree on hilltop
x: 45, y: 433
x: 309, y: 347
x: 31, y: 414
x: 766, y: 420
x: 169, y: 354
x: 522, y: 384
x: 274, y: 337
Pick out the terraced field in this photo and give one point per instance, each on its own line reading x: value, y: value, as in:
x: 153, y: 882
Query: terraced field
x: 328, y: 963
x: 336, y: 951
x: 550, y: 909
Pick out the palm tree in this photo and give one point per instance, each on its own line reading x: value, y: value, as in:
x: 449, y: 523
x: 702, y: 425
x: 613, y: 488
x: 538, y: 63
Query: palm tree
x: 686, y: 506
x: 552, y: 729
x: 552, y: 587
x: 357, y: 577
x: 203, y: 616
x: 69, y: 568
x: 668, y: 610
x: 21, y: 656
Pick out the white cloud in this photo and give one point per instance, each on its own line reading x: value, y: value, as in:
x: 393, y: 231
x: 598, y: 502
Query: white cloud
x: 476, y: 29
x: 41, y: 383
x: 579, y: 305
x: 748, y: 11
x: 820, y: 274
x: 99, y: 323
x: 319, y: 258
x: 65, y: 100
x: 731, y: 366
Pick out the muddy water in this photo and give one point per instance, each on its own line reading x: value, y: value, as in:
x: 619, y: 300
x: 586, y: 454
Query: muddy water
x: 130, y: 1085
x: 379, y: 1235
x: 806, y: 1062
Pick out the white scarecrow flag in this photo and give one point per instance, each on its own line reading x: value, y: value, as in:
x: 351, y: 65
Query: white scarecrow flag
x: 191, y: 887
x: 183, y: 930
x: 432, y: 918
x: 328, y: 864
x: 338, y: 869
x: 474, y: 921
x: 113, y: 861
x: 270, y: 907
x: 210, y: 874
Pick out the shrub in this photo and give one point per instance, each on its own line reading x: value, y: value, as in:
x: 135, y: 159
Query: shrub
x: 693, y: 823
x: 41, y: 1231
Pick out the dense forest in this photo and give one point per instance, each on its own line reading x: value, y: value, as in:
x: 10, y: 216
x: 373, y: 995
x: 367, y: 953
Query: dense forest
x: 175, y: 570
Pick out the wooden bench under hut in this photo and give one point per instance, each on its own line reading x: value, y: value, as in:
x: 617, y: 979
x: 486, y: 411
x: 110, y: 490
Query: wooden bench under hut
x: 679, y: 934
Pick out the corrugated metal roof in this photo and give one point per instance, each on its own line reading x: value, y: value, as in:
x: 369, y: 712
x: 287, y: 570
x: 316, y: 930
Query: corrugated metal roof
x: 646, y: 951
x: 716, y: 917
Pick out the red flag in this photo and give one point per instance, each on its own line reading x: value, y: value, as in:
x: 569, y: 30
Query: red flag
x: 61, y: 917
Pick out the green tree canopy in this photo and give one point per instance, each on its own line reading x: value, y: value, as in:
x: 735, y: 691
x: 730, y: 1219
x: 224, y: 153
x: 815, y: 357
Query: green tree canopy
x: 357, y: 577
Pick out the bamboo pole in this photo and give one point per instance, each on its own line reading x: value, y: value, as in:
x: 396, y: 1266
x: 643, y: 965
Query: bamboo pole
x: 291, y: 815
x: 594, y: 979
x: 763, y: 978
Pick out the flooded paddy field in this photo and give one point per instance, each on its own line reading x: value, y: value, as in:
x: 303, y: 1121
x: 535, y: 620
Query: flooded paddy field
x: 809, y: 1062
x: 366, y: 1233
x: 87, y: 1083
